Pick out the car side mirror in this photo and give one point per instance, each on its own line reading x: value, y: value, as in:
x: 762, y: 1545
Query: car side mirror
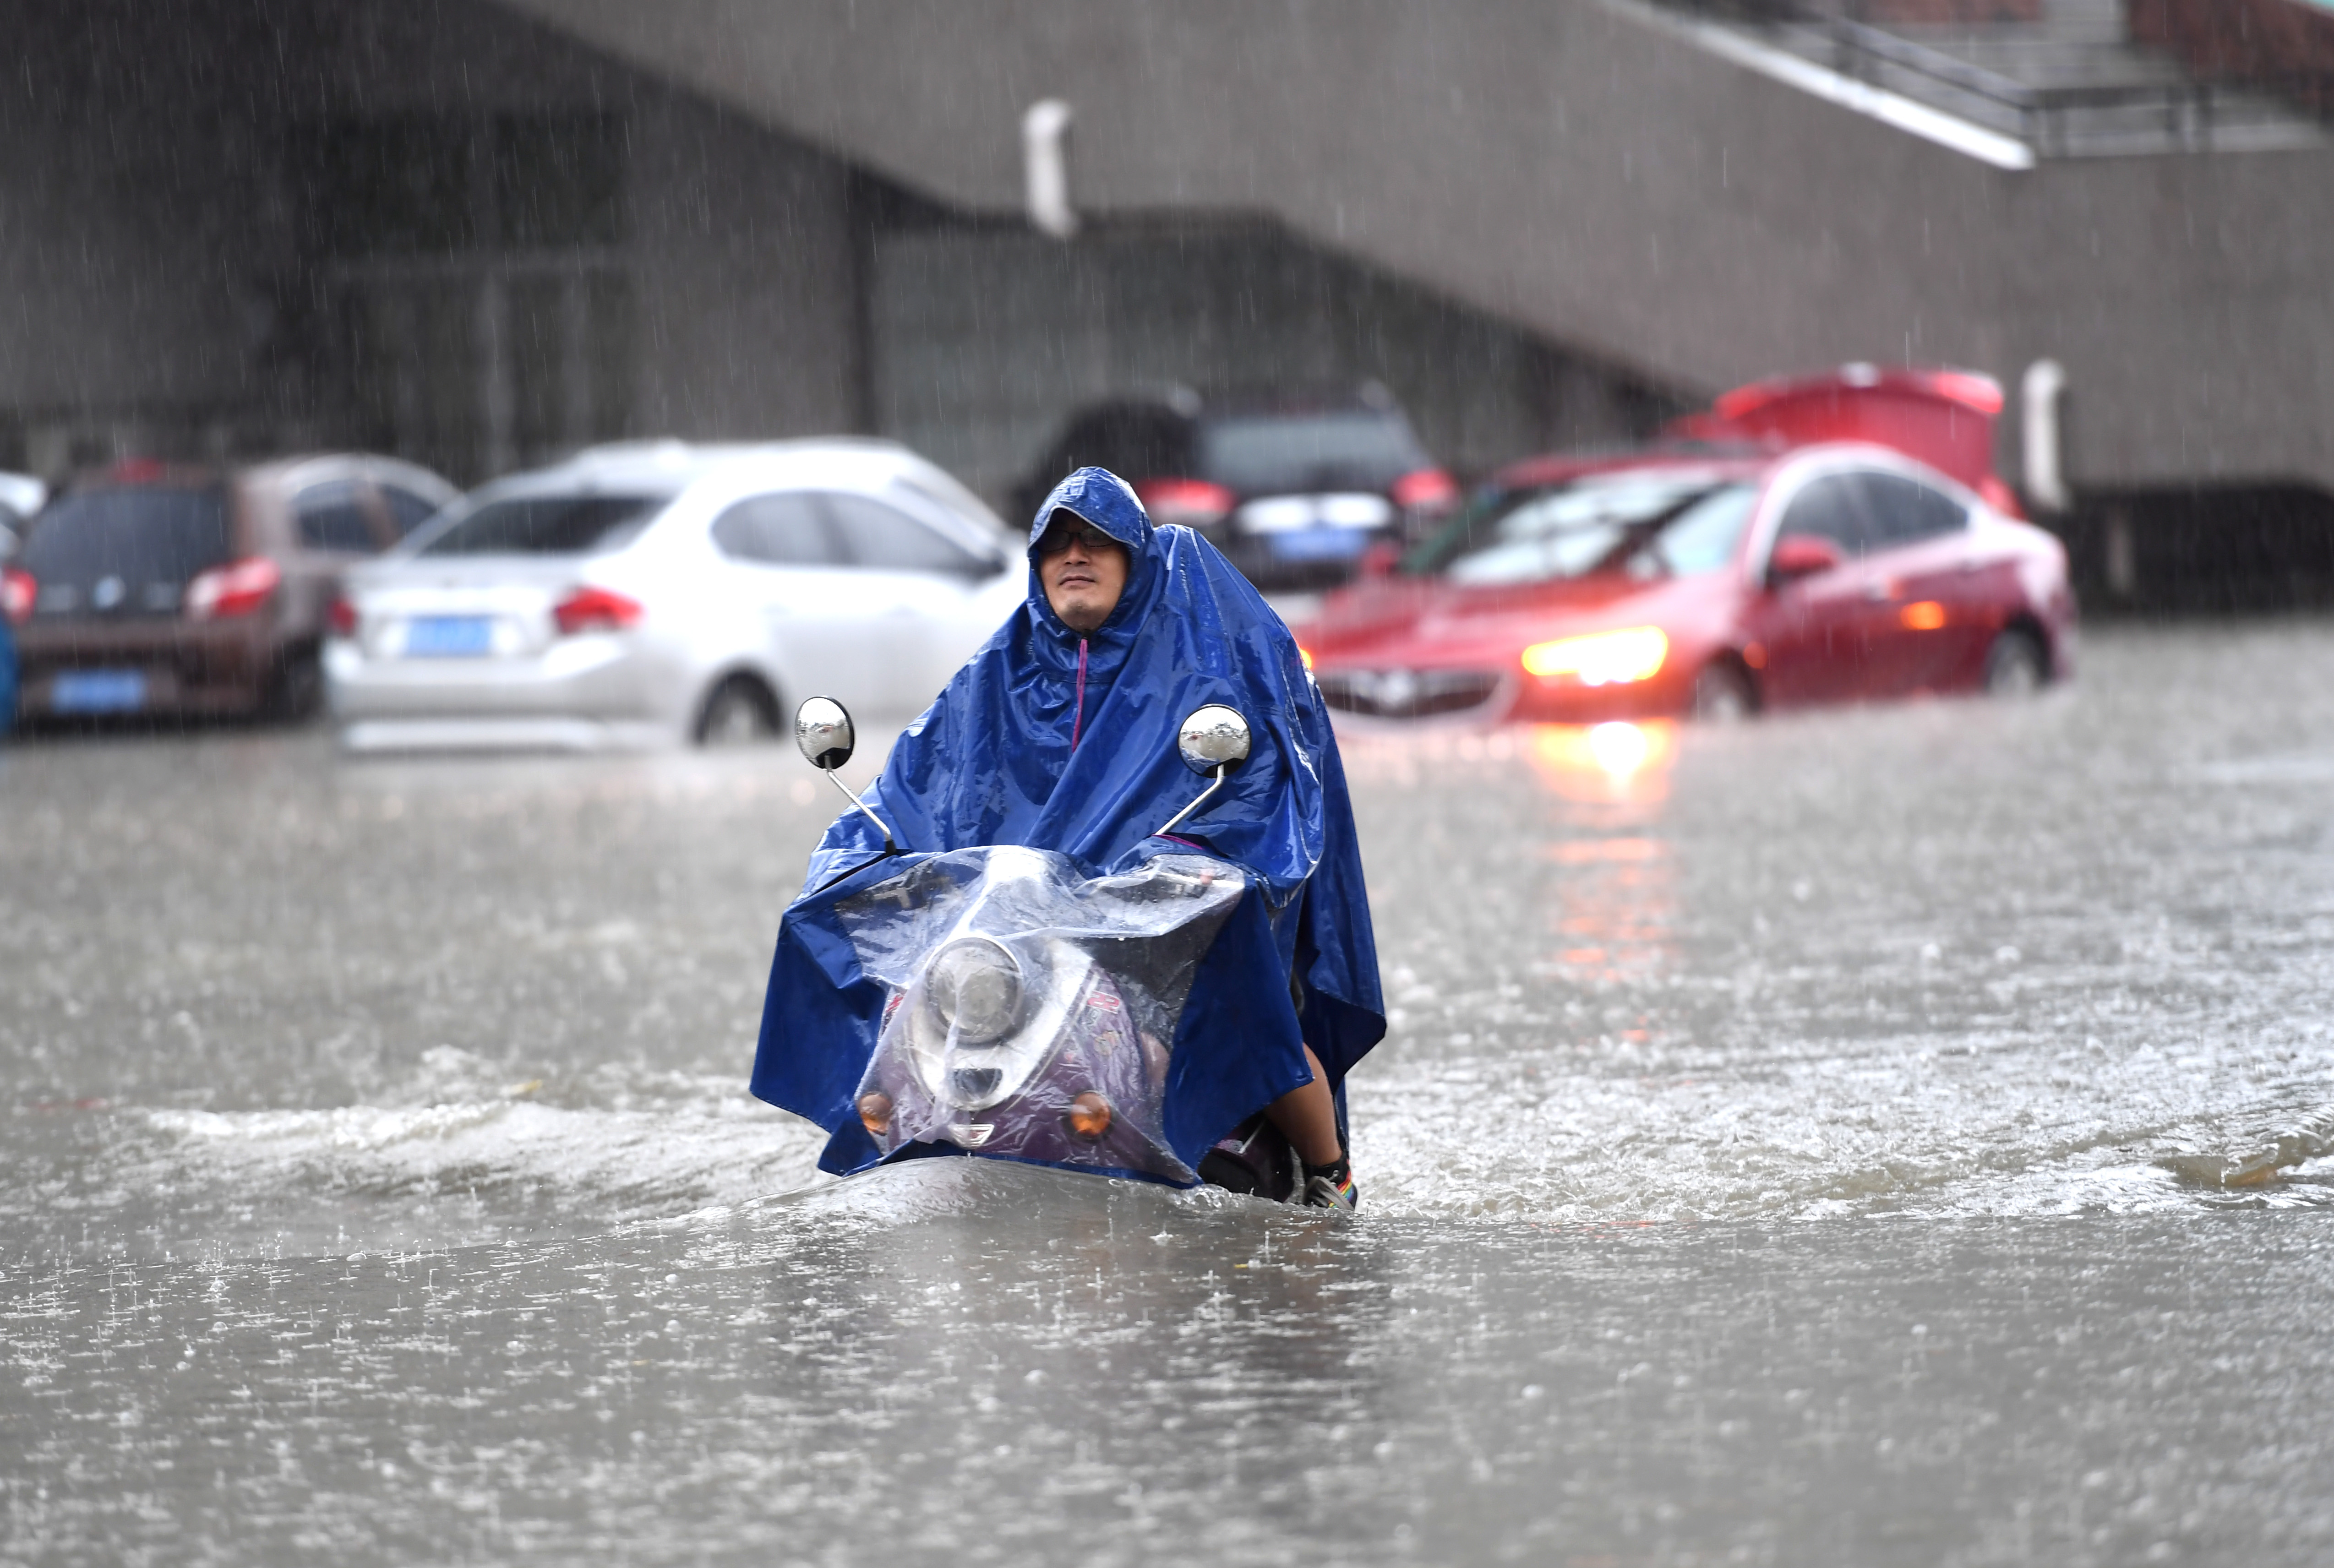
x: 1798, y: 555
x: 1379, y: 561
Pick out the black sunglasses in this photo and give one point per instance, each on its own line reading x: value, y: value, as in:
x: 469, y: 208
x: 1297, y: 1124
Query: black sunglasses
x: 1085, y: 535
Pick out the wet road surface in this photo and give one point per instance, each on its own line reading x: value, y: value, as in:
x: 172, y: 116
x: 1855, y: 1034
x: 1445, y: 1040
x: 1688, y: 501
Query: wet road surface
x: 1808, y: 1143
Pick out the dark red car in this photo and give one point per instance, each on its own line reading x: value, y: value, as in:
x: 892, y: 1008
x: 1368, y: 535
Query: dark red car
x: 1792, y: 547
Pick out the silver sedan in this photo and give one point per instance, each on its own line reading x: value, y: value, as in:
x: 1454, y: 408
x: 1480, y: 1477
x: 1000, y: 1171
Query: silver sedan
x: 653, y: 593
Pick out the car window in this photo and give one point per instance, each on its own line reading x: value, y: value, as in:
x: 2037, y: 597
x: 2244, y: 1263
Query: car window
x: 785, y: 529
x: 1346, y: 450
x: 1905, y: 510
x: 1610, y: 523
x: 1830, y: 507
x: 878, y: 535
x: 408, y: 510
x: 332, y: 516
x: 131, y: 549
x: 1138, y: 443
x: 546, y: 525
x: 1704, y: 536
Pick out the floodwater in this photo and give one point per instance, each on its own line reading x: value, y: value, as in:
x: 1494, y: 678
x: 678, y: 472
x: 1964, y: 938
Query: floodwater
x: 1883, y: 1136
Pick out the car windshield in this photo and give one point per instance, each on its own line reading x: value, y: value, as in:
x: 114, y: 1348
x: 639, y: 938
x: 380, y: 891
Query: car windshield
x: 1280, y: 454
x: 1642, y: 525
x: 546, y: 525
x: 149, y: 538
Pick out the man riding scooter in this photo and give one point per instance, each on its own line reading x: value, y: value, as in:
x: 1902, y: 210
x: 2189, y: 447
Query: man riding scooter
x: 1060, y: 735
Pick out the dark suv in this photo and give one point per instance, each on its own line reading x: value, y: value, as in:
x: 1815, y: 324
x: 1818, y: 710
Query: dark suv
x: 151, y: 588
x: 1293, y: 489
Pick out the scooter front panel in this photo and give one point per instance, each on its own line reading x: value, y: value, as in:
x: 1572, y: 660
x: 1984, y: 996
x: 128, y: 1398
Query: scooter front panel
x: 1032, y: 1010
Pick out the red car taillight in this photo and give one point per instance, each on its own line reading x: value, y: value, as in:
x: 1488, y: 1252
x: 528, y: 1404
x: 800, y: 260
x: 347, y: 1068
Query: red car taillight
x: 1428, y: 490
x: 341, y: 616
x: 595, y: 610
x: 17, y: 592
x: 235, y: 589
x: 1194, y: 503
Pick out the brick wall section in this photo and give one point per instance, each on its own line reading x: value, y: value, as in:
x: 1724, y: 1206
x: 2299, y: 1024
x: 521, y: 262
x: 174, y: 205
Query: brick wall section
x: 2281, y: 44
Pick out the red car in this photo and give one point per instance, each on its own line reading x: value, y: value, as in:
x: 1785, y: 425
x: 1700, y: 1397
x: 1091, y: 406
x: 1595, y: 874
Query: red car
x: 1829, y: 539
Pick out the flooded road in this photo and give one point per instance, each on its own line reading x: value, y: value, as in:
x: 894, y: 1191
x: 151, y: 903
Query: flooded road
x: 1885, y: 1137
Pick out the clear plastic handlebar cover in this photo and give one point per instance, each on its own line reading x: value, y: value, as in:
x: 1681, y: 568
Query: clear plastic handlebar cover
x: 1032, y: 1008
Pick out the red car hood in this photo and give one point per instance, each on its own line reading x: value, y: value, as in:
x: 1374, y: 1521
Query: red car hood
x: 1430, y: 623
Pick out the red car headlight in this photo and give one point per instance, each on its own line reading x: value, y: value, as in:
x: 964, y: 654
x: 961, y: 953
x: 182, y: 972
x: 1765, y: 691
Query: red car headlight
x: 1601, y: 657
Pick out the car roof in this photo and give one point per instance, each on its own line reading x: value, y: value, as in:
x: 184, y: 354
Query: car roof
x: 677, y: 465
x: 1250, y: 401
x: 289, y: 469
x: 1720, y: 461
x: 672, y: 467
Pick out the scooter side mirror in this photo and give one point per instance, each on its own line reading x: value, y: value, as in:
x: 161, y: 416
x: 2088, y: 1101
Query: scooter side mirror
x: 823, y: 731
x: 1213, y: 737
x: 1798, y: 555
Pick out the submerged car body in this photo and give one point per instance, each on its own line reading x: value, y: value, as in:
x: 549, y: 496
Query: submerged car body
x: 154, y: 588
x: 1720, y: 577
x: 648, y: 593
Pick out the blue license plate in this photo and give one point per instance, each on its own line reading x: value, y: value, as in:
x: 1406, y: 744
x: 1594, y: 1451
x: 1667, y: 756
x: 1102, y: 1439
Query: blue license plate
x: 449, y: 636
x: 98, y: 691
x: 1319, y: 544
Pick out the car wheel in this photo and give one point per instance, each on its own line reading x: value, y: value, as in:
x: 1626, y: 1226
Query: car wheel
x: 740, y: 712
x: 2014, y: 664
x: 1722, y: 695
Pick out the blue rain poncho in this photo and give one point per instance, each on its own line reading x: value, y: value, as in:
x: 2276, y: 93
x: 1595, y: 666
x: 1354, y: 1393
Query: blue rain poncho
x: 1065, y: 741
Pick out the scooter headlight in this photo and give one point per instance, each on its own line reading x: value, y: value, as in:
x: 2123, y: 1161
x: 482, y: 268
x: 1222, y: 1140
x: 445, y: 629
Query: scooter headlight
x: 976, y: 986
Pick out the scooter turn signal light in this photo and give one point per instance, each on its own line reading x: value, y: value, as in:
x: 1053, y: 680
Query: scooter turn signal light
x: 1089, y: 1116
x: 875, y: 1113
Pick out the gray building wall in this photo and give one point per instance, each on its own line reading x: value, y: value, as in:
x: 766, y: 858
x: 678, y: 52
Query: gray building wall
x: 165, y: 294
x: 985, y: 340
x: 748, y: 272
x: 128, y: 271
x: 1561, y: 165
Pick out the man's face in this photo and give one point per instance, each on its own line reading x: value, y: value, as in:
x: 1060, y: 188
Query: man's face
x: 1082, y: 570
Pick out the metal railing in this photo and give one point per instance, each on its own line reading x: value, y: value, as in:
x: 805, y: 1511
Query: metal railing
x: 2188, y: 111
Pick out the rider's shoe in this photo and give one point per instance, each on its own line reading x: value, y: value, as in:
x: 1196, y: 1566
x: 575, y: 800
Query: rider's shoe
x: 1331, y: 1186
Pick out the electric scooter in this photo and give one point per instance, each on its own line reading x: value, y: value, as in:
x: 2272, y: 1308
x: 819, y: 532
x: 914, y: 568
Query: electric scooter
x: 1031, y: 1009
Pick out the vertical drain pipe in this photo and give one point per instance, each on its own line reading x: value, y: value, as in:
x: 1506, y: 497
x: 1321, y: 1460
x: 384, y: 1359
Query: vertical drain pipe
x: 2040, y: 391
x: 1046, y: 167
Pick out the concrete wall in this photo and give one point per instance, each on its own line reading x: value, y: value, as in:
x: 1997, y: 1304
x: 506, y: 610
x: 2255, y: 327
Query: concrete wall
x: 129, y: 254
x: 985, y: 338
x: 1568, y: 166
x: 161, y: 293
x: 748, y: 273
